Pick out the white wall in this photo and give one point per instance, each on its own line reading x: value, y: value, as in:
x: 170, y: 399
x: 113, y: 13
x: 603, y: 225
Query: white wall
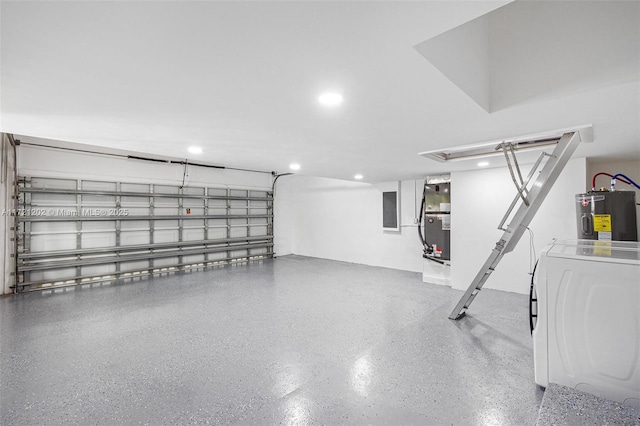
x: 283, y: 216
x: 554, y: 48
x: 628, y: 168
x: 342, y: 220
x: 462, y: 54
x: 7, y: 171
x: 47, y: 162
x: 479, y: 199
x: 519, y: 52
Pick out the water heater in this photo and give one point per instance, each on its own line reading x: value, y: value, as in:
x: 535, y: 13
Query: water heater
x: 607, y: 216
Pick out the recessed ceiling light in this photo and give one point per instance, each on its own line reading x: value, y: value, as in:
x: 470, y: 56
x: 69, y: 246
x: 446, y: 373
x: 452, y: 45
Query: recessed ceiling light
x: 195, y: 150
x: 358, y: 177
x: 330, y: 99
x: 483, y: 164
x: 294, y: 166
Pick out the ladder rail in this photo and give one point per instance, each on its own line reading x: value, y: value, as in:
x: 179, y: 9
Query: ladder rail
x: 521, y: 187
x: 542, y: 186
x: 476, y: 285
x: 517, y: 197
x: 565, y: 147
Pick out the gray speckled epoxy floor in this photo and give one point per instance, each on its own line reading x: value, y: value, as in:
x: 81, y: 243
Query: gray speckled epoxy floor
x: 565, y: 406
x: 293, y: 340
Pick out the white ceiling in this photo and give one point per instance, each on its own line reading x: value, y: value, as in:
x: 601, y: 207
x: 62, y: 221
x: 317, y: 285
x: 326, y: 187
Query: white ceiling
x: 241, y: 79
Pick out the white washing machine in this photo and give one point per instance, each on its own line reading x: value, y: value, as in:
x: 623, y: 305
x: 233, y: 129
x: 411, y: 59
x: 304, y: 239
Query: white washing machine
x: 587, y: 334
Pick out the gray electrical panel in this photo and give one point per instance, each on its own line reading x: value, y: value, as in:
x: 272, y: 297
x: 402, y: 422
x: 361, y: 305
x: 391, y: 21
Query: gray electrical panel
x: 390, y: 210
x: 607, y: 216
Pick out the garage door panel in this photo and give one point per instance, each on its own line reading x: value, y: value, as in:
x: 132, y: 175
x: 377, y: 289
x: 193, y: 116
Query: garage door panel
x: 193, y: 234
x: 135, y: 209
x: 165, y: 236
x: 53, y: 242
x: 165, y: 262
x: 100, y: 230
x: 98, y: 239
x: 194, y: 259
x: 98, y: 270
x: 54, y: 275
x: 52, y: 183
x: 140, y: 265
x: 134, y: 238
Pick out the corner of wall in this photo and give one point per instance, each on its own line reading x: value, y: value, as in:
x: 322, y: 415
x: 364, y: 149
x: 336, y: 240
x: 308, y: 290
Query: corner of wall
x: 7, y: 191
x: 284, y: 208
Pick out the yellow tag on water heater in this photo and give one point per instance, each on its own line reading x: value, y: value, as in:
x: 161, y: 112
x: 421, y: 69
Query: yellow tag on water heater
x: 602, y: 222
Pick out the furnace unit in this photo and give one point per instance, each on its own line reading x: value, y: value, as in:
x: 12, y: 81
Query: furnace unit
x: 437, y: 216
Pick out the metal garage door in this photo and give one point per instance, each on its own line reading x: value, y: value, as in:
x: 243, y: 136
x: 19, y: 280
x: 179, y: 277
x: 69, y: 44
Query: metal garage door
x: 74, y: 232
